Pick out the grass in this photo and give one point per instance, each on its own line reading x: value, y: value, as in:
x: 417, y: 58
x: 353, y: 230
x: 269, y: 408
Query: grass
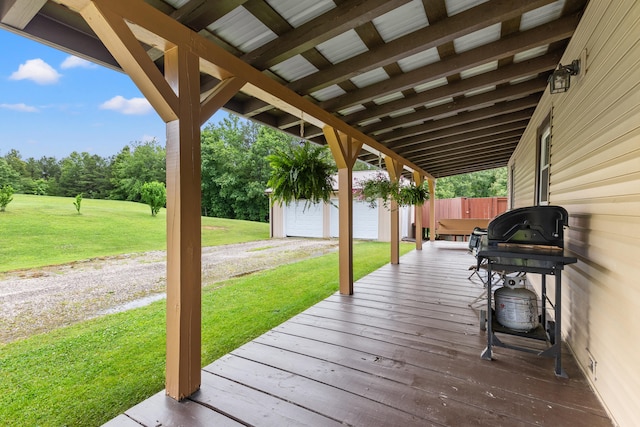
x: 43, y: 230
x: 88, y: 373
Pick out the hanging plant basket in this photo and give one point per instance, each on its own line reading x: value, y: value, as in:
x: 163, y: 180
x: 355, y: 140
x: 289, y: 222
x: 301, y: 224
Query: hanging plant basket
x: 301, y: 172
x: 382, y: 188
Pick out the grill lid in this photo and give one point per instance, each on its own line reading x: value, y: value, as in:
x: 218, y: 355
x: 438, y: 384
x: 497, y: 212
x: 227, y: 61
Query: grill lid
x: 533, y: 225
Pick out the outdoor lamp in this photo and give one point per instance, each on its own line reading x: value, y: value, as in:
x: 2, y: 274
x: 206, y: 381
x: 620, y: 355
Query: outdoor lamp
x: 560, y: 80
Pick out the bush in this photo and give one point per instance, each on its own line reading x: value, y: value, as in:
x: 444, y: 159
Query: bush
x: 6, y: 196
x: 155, y: 195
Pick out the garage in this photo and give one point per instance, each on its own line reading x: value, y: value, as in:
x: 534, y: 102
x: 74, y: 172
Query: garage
x: 365, y: 220
x: 302, y: 220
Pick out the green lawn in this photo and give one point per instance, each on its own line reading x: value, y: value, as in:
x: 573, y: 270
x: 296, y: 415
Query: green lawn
x: 42, y: 230
x: 88, y: 373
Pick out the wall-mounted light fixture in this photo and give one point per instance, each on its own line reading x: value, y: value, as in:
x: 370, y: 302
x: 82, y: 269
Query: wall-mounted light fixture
x: 560, y: 80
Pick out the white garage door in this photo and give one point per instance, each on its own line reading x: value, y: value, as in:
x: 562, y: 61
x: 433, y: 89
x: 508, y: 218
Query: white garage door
x: 365, y: 220
x: 301, y: 222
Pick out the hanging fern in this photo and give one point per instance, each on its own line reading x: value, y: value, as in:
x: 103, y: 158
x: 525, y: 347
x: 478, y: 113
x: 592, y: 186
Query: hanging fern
x: 380, y: 187
x: 301, y: 172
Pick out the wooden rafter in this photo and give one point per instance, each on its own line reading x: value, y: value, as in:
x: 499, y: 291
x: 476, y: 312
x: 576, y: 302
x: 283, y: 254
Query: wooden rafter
x: 154, y: 28
x: 351, y: 13
x: 541, y: 35
x: 434, y: 35
x: 18, y: 13
x: 459, y: 88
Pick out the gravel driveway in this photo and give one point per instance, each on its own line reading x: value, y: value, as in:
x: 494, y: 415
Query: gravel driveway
x: 40, y: 300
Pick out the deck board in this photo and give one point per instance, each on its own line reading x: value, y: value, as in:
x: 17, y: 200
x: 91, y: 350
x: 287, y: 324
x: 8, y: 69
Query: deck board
x: 403, y: 350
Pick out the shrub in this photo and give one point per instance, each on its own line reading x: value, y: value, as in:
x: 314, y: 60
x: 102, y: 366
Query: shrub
x: 155, y: 195
x: 6, y: 196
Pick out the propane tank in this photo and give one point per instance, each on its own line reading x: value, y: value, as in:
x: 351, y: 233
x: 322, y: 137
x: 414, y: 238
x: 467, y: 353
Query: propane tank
x: 516, y: 306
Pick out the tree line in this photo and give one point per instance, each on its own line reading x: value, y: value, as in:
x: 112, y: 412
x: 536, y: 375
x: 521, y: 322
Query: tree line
x: 235, y: 172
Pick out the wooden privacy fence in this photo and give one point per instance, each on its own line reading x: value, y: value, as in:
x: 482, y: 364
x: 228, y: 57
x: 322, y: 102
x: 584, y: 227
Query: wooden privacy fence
x: 485, y: 208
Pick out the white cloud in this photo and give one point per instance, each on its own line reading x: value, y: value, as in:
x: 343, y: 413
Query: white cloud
x: 38, y: 71
x: 75, y: 62
x: 127, y: 106
x: 24, y: 108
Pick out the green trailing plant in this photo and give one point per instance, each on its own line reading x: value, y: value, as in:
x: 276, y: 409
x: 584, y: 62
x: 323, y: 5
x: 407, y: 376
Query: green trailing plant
x: 382, y: 188
x: 412, y: 195
x: 78, y: 202
x: 301, y: 172
x: 6, y: 196
x: 377, y: 188
x: 155, y: 195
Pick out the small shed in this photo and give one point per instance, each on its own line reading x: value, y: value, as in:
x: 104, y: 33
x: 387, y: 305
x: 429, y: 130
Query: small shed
x: 321, y: 219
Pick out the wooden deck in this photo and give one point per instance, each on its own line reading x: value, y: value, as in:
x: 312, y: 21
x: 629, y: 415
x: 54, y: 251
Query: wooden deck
x: 403, y: 351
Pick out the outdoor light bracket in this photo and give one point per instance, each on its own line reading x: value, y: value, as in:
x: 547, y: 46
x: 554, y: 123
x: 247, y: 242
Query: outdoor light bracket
x: 560, y: 79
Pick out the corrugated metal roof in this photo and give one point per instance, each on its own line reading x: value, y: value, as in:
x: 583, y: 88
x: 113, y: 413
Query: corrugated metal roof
x: 431, y: 84
x: 401, y: 21
x: 370, y: 77
x: 419, y: 59
x: 328, y: 93
x: 401, y: 78
x: 530, y: 54
x: 297, y: 12
x: 344, y: 46
x: 243, y: 30
x: 477, y: 38
x: 481, y: 69
x: 542, y: 15
x: 294, y: 68
x: 388, y: 98
x: 456, y: 6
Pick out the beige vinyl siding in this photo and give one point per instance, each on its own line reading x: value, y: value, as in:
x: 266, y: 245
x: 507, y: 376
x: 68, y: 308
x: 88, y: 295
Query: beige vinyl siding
x: 595, y: 175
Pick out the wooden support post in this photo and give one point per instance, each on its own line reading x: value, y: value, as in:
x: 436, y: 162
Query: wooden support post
x: 345, y: 152
x: 183, y: 228
x: 394, y: 167
x: 419, y: 180
x: 432, y: 209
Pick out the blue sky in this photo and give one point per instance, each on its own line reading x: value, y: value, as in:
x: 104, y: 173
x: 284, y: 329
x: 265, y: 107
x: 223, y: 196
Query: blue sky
x: 52, y: 104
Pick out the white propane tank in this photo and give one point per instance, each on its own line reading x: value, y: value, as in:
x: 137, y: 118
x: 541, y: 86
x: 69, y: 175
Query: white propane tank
x: 516, y: 306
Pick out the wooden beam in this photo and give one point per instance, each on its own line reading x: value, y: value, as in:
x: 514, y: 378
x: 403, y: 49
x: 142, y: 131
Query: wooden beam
x: 426, y: 142
x: 218, y: 97
x: 459, y: 88
x: 394, y: 168
x: 119, y: 39
x: 18, y: 13
x: 184, y: 270
x: 154, y: 28
x: 434, y: 35
x: 350, y: 14
x: 418, y: 180
x: 498, y: 110
x: 432, y: 209
x: 541, y: 35
x: 486, y: 99
x: 345, y: 152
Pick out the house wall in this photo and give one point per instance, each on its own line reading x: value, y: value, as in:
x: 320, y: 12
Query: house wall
x: 595, y: 175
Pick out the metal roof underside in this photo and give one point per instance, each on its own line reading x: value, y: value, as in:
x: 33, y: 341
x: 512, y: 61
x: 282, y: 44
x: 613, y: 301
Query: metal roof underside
x: 448, y: 84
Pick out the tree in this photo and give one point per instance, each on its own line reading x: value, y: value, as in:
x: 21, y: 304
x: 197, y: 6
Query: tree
x: 235, y: 170
x: 135, y: 165
x: 488, y: 183
x: 155, y: 195
x: 8, y: 176
x: 6, y: 196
